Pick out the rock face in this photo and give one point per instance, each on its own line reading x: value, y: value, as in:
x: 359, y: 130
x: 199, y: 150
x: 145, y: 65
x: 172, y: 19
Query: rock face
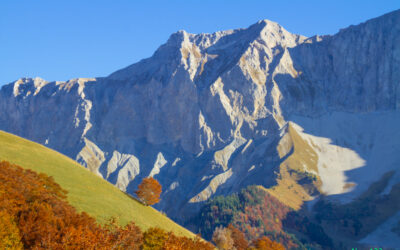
x: 209, y: 114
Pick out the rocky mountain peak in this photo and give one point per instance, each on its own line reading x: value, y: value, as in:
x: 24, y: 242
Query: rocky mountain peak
x: 27, y: 86
x: 273, y: 34
x: 193, y: 51
x: 208, y: 114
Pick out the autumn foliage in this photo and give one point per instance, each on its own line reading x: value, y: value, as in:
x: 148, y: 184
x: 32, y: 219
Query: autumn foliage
x: 239, y: 239
x: 9, y: 233
x: 253, y: 211
x: 149, y: 191
x: 34, y: 214
x: 44, y: 219
x: 222, y: 237
x: 156, y: 238
x: 230, y: 238
x: 264, y: 243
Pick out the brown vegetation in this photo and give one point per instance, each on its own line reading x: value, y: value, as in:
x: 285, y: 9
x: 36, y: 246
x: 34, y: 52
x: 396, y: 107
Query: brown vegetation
x: 34, y: 214
x: 156, y: 238
x: 239, y: 239
x: 9, y: 232
x: 222, y: 237
x: 253, y: 211
x: 231, y: 238
x: 264, y: 243
x: 149, y: 191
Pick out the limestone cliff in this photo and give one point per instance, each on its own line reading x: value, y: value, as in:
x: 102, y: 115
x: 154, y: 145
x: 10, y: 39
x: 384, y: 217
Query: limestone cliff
x: 211, y: 113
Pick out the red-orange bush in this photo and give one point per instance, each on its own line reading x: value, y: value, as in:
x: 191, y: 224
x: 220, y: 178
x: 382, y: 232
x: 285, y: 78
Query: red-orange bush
x: 149, y: 191
x: 239, y: 239
x: 44, y: 218
x: 264, y: 243
x: 9, y: 233
x: 34, y: 214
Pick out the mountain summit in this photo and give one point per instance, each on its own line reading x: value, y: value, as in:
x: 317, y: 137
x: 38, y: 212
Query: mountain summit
x: 209, y: 114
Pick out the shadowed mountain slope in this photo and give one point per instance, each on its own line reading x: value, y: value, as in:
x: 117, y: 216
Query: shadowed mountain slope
x: 209, y: 114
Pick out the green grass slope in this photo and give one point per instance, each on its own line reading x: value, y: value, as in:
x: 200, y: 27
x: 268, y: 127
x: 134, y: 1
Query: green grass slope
x: 86, y: 191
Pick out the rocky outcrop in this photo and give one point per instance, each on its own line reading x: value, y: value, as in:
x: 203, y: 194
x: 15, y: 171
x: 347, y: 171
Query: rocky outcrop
x: 209, y: 114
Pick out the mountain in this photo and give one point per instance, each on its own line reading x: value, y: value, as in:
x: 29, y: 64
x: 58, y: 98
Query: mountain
x: 210, y: 114
x: 86, y: 192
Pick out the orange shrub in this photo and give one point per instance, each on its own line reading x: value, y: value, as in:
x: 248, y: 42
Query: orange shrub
x: 34, y: 214
x: 149, y: 191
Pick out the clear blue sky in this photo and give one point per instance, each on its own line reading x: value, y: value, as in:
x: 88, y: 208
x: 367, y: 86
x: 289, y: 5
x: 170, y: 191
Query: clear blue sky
x: 60, y: 40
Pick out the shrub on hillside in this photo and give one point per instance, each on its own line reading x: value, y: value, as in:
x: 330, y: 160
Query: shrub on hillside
x: 156, y: 238
x: 264, y: 243
x: 9, y: 232
x: 149, y: 191
x: 239, y: 239
x: 222, y: 237
x: 34, y: 214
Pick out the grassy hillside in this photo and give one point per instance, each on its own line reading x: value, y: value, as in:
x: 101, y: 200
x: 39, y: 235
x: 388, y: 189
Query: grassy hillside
x: 294, y: 185
x: 86, y: 192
